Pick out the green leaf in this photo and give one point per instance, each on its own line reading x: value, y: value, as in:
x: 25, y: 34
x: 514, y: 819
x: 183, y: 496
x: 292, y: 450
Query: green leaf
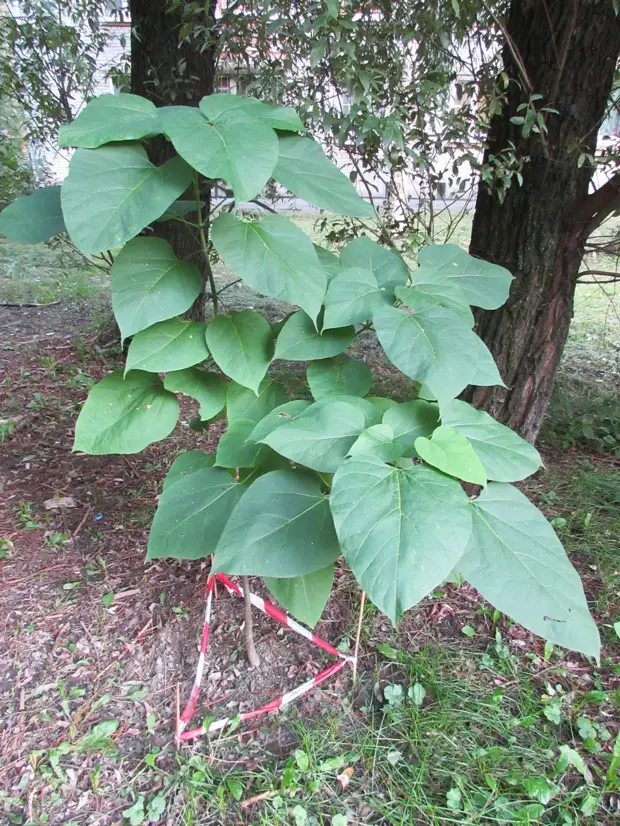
x: 388, y: 520
x: 379, y: 441
x: 448, y: 295
x: 187, y: 463
x: 329, y: 261
x: 305, y: 170
x: 371, y: 412
x: 99, y: 738
x: 282, y: 528
x: 168, y: 345
x: 239, y: 148
x: 388, y: 268
x: 506, y: 457
x: 179, y: 209
x: 306, y: 596
x: 243, y: 403
x: 320, y: 437
x: 518, y: 564
x: 191, y: 514
x: 208, y: 389
x: 125, y: 415
x: 483, y: 284
x: 435, y: 346
x: 300, y: 341
x: 411, y: 420
x: 281, y: 415
x: 242, y: 346
x: 149, y: 284
x: 450, y: 451
x: 113, y: 192
x: 214, y: 107
x: 382, y: 404
x: 109, y: 118
x: 338, y: 375
x: 352, y: 297
x: 34, y: 218
x: 274, y: 257
x: 236, y: 448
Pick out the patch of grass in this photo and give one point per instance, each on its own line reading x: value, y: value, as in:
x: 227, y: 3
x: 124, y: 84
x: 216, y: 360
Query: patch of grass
x: 586, y: 498
x: 43, y: 274
x: 584, y: 414
x: 447, y: 736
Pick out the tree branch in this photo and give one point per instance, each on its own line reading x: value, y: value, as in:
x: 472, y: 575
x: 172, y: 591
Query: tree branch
x: 595, y: 208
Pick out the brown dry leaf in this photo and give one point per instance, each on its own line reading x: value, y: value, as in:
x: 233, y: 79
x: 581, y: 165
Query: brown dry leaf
x: 59, y: 502
x: 345, y: 777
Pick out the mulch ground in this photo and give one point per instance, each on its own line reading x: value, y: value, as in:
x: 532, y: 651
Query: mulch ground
x: 89, y: 632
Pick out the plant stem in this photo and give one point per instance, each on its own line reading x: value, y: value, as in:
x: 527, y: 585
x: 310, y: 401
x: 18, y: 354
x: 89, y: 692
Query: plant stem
x: 357, y: 635
x: 248, y: 636
x: 202, y: 223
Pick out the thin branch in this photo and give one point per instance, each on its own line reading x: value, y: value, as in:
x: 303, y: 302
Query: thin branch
x: 204, y: 246
x: 595, y: 208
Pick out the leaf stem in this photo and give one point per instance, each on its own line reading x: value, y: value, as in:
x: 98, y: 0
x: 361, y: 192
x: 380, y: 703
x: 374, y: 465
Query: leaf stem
x: 204, y: 245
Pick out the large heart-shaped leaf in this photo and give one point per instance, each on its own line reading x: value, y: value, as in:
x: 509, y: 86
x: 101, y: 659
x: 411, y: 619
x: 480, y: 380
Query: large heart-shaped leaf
x: 187, y: 463
x: 34, y: 218
x: 305, y: 170
x: 320, y: 437
x: 168, y: 345
x: 380, y: 442
x: 274, y: 257
x: 149, y: 284
x: 387, y: 267
x: 450, y: 451
x: 113, y: 192
x: 484, y: 284
x: 446, y: 294
x: 279, y: 416
x: 352, y: 297
x: 401, y: 531
x: 237, y: 448
x: 329, y: 261
x: 282, y: 527
x: 299, y: 340
x: 516, y: 561
x: 239, y: 148
x: 208, y: 389
x: 411, y: 420
x: 242, y: 346
x: 243, y: 403
x: 306, y: 596
x: 110, y: 118
x: 338, y: 375
x: 125, y: 415
x: 191, y: 514
x: 437, y: 347
x: 505, y: 455
x: 284, y: 118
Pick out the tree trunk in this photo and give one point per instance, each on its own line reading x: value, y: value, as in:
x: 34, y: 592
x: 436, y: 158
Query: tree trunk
x: 569, y: 50
x: 169, y: 69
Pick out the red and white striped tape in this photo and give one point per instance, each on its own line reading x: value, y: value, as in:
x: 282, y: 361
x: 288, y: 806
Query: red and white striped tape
x: 274, y: 705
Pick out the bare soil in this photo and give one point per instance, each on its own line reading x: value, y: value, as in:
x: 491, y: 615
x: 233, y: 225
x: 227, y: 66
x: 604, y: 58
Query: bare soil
x: 89, y: 632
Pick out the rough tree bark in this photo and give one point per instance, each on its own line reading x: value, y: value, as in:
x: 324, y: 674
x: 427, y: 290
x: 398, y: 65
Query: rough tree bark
x: 569, y: 50
x: 169, y: 69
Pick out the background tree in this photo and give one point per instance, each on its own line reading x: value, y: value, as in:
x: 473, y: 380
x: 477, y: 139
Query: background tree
x: 174, y: 56
x: 567, y: 53
x: 373, y: 80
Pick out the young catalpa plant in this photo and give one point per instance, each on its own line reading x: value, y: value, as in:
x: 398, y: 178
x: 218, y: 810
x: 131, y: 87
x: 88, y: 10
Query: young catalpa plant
x: 296, y: 483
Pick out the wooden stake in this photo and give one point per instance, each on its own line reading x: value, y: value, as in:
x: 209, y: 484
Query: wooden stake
x: 178, y: 707
x: 248, y: 634
x: 357, y: 635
